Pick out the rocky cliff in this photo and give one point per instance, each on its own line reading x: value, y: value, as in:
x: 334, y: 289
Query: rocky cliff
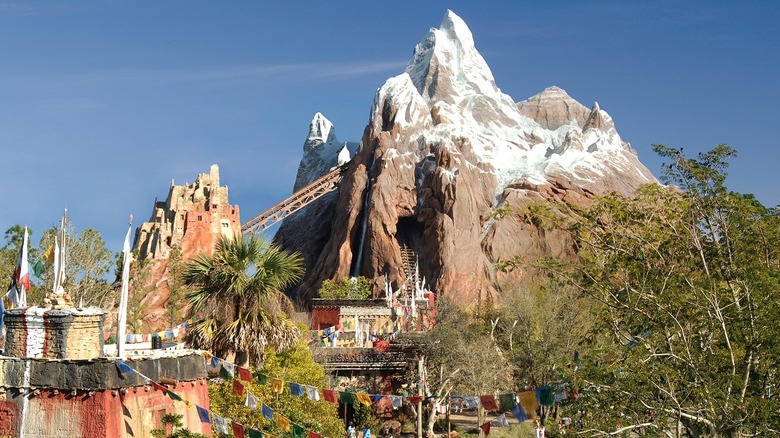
x: 443, y: 148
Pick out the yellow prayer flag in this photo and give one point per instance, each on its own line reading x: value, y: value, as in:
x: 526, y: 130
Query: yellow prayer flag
x: 49, y: 254
x: 277, y: 385
x: 282, y: 421
x: 528, y: 402
x: 364, y: 398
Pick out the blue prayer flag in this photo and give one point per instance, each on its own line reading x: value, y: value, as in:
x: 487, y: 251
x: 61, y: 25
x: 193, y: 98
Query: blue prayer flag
x: 214, y: 361
x: 519, y: 413
x: 296, y: 389
x: 203, y: 414
x: 268, y: 413
x: 123, y: 367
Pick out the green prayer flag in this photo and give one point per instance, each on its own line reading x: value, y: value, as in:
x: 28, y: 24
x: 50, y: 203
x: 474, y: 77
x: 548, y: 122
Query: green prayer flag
x: 172, y: 395
x: 547, y: 397
x: 506, y: 402
x: 38, y: 268
x: 346, y: 398
x: 298, y: 431
x: 254, y: 433
x: 224, y: 373
x: 261, y: 378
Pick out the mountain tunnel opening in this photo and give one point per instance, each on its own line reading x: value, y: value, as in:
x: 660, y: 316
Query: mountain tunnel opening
x: 409, y: 235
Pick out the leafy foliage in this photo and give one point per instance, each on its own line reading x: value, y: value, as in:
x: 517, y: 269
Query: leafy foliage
x: 356, y: 288
x: 239, y: 292
x: 293, y: 365
x: 687, y: 284
x: 173, y: 421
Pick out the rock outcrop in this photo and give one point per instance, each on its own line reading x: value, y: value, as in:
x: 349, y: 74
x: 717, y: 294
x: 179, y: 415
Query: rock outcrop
x: 443, y: 148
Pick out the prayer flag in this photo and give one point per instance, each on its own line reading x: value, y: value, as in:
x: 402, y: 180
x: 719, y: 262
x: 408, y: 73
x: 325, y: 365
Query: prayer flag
x: 519, y: 413
x: 238, y: 430
x: 267, y: 412
x: 243, y: 374
x: 261, y: 378
x: 157, y: 386
x: 123, y: 367
x: 173, y: 395
x: 298, y: 431
x: 20, y: 281
x: 364, y: 398
x: 220, y: 423
x: 254, y: 433
x: 330, y: 395
x: 528, y: 401
x: 238, y: 388
x: 470, y: 402
x: 229, y: 367
x: 398, y: 402
x: 347, y: 398
x: 485, y: 428
x: 203, y: 414
x: 282, y: 421
x: 214, y: 361
x: 313, y: 434
x: 277, y: 385
x: 507, y: 402
x: 414, y: 399
x: 312, y: 393
x: 488, y: 402
x: 296, y: 389
x: 251, y: 401
x: 545, y: 395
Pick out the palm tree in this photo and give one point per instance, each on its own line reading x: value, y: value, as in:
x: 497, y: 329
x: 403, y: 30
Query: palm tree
x: 238, y: 290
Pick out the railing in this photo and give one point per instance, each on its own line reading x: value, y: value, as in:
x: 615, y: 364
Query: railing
x: 303, y: 197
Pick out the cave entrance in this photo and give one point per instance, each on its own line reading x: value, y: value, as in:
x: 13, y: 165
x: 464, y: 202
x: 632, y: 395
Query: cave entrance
x: 409, y: 234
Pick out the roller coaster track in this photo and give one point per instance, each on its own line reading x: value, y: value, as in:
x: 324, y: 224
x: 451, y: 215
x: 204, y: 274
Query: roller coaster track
x: 303, y: 197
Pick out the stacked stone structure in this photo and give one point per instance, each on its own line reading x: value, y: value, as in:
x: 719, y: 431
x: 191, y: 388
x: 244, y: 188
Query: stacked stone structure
x: 193, y: 216
x: 55, y: 380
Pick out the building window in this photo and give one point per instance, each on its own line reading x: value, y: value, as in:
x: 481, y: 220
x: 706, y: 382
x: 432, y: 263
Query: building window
x: 200, y: 218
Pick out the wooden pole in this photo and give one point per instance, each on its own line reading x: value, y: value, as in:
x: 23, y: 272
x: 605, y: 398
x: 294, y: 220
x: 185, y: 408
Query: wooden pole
x: 420, y: 389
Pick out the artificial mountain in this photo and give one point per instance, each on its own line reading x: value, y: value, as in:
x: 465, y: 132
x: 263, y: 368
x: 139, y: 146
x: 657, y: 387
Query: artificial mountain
x: 442, y: 149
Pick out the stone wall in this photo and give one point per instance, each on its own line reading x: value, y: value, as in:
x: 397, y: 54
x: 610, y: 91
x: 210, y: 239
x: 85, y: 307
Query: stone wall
x: 36, y: 332
x: 92, y: 398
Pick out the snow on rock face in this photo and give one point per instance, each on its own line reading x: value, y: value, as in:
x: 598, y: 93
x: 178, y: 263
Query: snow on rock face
x: 321, y: 152
x: 444, y: 146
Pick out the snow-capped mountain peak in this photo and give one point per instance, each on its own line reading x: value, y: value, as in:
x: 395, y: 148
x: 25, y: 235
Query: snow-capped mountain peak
x: 321, y: 152
x: 449, y: 94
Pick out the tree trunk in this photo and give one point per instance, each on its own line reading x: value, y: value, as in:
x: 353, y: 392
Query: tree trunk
x: 242, y: 359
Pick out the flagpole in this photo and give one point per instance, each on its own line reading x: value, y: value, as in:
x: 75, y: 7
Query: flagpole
x: 122, y: 322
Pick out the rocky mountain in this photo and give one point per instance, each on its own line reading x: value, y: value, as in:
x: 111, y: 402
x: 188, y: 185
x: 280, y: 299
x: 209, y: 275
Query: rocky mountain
x: 443, y: 147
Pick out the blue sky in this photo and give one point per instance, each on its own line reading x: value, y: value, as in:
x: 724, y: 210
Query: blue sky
x: 102, y: 103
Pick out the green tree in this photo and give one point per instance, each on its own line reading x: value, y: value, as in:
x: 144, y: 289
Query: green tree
x: 175, y: 266
x: 294, y: 364
x: 173, y: 422
x: 354, y: 288
x: 686, y: 339
x: 239, y: 292
x: 462, y: 356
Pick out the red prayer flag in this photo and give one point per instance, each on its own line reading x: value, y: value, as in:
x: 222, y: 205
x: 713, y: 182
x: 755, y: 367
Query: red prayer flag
x: 243, y: 374
x: 313, y: 434
x: 485, y: 428
x: 238, y: 388
x: 238, y: 430
x: 488, y: 402
x: 157, y: 386
x: 414, y: 399
x: 330, y: 395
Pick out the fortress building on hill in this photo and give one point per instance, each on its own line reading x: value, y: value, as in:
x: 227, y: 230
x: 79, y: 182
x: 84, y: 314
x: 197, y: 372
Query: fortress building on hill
x: 192, y: 217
